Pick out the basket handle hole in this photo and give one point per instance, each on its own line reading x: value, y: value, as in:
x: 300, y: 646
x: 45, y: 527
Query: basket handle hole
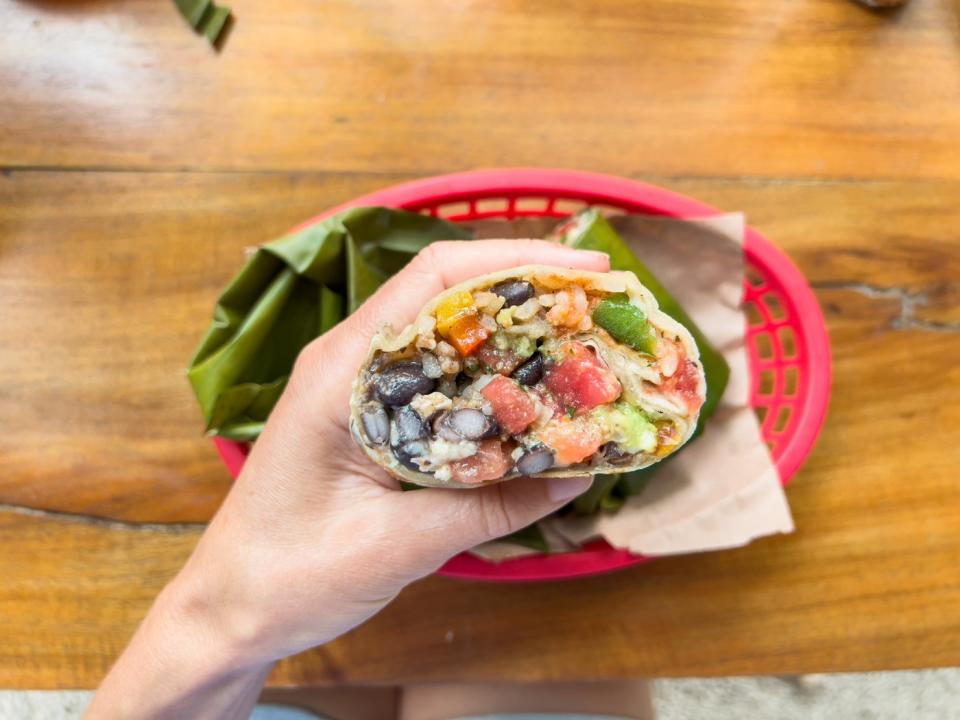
x: 568, y: 206
x: 767, y: 381
x: 493, y: 206
x: 774, y: 306
x: 754, y: 318
x: 783, y: 419
x: 764, y: 345
x: 531, y: 205
x: 788, y: 342
x: 754, y: 277
x: 790, y: 381
x: 609, y: 210
x: 453, y: 210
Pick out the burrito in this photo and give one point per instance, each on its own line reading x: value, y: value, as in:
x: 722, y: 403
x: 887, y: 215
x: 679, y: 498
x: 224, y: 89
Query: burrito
x: 533, y: 371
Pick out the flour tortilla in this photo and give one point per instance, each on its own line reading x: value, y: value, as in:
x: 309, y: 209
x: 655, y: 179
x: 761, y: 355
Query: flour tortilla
x: 613, y: 353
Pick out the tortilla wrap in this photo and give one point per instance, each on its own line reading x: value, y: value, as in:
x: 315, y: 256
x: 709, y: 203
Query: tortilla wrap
x: 648, y: 383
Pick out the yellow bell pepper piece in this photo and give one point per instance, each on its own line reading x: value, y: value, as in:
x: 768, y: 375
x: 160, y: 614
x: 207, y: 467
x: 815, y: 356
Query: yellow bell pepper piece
x: 454, y: 308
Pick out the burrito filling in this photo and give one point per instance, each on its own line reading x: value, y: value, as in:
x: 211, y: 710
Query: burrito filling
x: 522, y: 378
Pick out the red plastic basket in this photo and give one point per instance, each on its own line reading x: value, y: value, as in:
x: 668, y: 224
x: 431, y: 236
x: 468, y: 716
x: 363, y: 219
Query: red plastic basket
x: 789, y: 352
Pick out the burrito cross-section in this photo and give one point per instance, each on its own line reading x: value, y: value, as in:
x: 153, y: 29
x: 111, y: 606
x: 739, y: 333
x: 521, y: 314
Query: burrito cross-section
x: 537, y: 371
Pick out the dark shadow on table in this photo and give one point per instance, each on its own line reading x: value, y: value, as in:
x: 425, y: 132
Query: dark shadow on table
x: 890, y: 12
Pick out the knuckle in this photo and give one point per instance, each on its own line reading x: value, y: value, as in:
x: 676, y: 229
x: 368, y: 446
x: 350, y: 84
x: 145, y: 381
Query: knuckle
x: 427, y: 257
x: 310, y: 359
x: 316, y: 362
x: 497, y: 518
x: 431, y: 257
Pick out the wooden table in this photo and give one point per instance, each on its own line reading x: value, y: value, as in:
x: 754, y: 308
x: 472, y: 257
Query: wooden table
x: 138, y: 165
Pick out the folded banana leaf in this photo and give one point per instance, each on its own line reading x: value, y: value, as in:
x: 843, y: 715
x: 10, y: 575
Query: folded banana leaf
x: 590, y: 230
x: 296, y: 288
x: 205, y: 17
x: 528, y: 537
x: 290, y: 292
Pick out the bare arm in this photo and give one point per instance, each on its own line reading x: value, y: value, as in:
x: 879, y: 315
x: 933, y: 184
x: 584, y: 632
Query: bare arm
x: 313, y: 539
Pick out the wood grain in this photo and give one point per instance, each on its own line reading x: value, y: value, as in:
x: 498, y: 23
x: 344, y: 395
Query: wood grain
x: 107, y: 283
x: 137, y: 165
x: 819, y: 88
x: 105, y: 300
x: 100, y: 423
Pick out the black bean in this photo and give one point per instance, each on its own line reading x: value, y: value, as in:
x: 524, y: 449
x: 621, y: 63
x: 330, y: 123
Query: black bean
x: 515, y: 292
x: 614, y: 454
x: 531, y: 372
x: 410, y: 425
x: 468, y: 423
x: 398, y: 383
x: 493, y: 428
x: 376, y: 425
x: 406, y: 452
x: 535, y: 461
x: 442, y: 429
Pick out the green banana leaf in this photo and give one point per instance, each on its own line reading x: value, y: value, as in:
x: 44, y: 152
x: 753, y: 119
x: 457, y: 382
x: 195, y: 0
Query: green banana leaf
x: 205, y: 17
x: 589, y: 502
x: 528, y: 537
x: 590, y: 230
x: 296, y: 288
x: 290, y: 292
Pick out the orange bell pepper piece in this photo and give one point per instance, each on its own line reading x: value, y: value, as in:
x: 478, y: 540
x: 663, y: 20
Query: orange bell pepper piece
x: 467, y: 334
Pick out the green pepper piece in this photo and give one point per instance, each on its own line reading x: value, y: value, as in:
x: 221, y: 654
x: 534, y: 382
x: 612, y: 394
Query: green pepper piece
x: 627, y: 323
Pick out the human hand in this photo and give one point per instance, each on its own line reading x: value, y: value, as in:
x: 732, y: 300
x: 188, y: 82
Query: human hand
x: 314, y: 538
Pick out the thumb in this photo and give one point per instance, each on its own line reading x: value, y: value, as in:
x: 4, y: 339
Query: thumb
x: 441, y: 523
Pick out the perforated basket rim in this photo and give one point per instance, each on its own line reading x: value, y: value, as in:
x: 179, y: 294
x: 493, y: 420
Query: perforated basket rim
x: 805, y: 318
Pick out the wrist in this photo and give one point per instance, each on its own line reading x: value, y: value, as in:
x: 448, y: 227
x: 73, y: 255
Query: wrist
x: 207, y: 602
x: 182, y: 662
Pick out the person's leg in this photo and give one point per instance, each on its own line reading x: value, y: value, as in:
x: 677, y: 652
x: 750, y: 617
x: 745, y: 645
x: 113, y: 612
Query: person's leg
x: 613, y: 698
x: 338, y: 703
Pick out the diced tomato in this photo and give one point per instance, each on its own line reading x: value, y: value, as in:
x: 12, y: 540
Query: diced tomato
x: 491, y: 461
x: 572, y: 440
x: 580, y: 380
x: 684, y: 383
x: 467, y: 334
x: 512, y: 407
x: 547, y: 398
x: 499, y: 361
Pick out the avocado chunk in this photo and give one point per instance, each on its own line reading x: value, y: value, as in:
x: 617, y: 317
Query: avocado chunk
x: 628, y: 426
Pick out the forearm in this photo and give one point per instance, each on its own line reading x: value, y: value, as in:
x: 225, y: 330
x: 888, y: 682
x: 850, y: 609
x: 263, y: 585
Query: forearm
x: 182, y: 662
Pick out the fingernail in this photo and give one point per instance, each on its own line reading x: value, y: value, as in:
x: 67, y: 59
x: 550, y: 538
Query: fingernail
x: 564, y: 488
x: 598, y: 256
